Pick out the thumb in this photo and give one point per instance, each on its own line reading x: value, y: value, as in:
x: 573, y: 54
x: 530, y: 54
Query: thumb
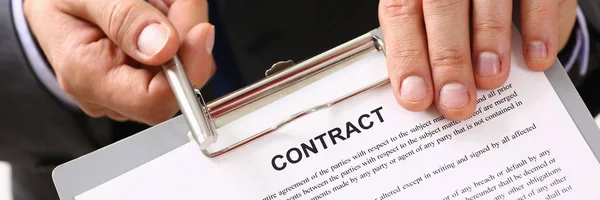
x: 137, y: 27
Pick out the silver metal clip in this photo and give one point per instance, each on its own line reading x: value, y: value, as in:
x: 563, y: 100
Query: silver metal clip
x: 199, y: 115
x: 284, y: 74
x: 193, y: 107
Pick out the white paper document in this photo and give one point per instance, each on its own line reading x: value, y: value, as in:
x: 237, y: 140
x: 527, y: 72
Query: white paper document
x: 520, y: 144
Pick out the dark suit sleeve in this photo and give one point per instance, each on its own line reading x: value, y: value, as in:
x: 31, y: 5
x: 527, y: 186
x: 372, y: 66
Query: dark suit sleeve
x: 591, y: 8
x: 588, y: 84
x: 37, y: 131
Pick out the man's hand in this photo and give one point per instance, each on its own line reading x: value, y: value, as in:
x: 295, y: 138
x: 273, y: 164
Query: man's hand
x: 440, y: 52
x: 107, y: 53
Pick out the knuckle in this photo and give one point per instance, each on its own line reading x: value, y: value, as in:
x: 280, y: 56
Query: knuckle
x: 404, y: 59
x: 491, y: 25
x: 117, y: 17
x: 408, y: 53
x: 443, y: 4
x: 397, y: 8
x: 449, y: 57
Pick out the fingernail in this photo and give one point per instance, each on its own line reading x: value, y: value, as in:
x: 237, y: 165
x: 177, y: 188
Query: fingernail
x: 488, y: 64
x: 210, y: 40
x: 454, y: 96
x: 413, y: 88
x: 152, y: 39
x: 536, y: 50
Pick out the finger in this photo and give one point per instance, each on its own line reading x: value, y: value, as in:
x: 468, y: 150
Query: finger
x: 137, y: 27
x: 540, y: 33
x: 492, y: 21
x: 447, y: 25
x: 185, y: 14
x: 406, y: 52
x: 196, y: 54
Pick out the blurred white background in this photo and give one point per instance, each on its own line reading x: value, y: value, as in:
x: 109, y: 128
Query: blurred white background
x: 5, y: 191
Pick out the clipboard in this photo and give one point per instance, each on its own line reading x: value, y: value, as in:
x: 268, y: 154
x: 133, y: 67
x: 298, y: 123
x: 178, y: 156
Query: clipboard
x: 74, y: 178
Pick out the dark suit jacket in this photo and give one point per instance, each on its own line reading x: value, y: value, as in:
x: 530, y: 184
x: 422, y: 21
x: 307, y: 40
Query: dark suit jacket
x: 38, y: 132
